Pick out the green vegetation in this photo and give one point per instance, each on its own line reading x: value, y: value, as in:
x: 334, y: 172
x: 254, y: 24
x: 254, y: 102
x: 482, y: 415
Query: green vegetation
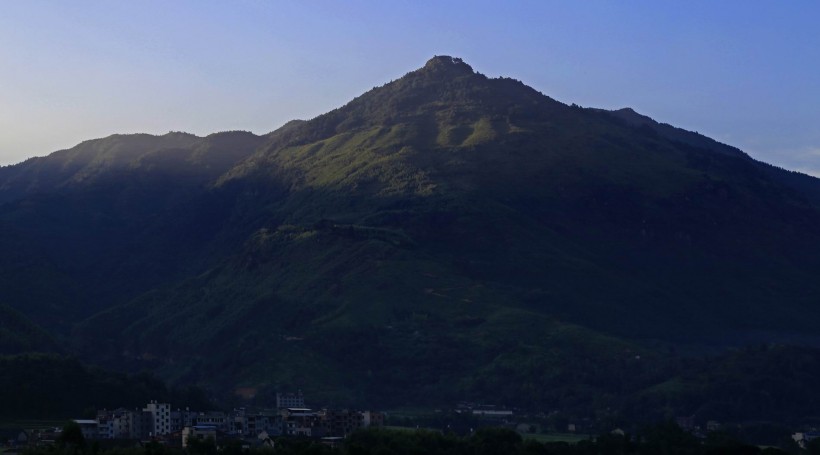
x: 657, y: 439
x: 443, y: 237
x: 19, y: 334
x: 571, y: 438
x: 50, y: 386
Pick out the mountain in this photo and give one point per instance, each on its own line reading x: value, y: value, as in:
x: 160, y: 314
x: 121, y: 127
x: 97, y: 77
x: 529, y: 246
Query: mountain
x: 19, y: 334
x: 445, y: 236
x: 50, y: 386
x: 88, y: 227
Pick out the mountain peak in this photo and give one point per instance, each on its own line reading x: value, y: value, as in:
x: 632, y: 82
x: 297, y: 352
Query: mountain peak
x: 448, y: 64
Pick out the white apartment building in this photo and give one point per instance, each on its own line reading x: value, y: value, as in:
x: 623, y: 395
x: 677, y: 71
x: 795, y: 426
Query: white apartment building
x: 160, y: 417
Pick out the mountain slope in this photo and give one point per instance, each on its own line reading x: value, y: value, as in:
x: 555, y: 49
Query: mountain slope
x: 104, y: 221
x: 19, y: 334
x: 49, y: 386
x: 484, y: 170
x: 426, y: 239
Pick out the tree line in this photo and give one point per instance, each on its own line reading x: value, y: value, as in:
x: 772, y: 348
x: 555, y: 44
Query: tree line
x: 660, y: 439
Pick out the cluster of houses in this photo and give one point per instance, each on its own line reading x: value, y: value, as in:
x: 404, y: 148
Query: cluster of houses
x: 160, y: 422
x: 803, y: 439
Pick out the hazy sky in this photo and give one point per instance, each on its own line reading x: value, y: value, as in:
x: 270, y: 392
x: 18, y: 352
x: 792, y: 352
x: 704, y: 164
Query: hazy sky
x: 744, y: 72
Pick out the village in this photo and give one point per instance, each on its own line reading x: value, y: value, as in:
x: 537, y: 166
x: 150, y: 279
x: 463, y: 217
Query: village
x: 159, y: 422
x: 252, y: 428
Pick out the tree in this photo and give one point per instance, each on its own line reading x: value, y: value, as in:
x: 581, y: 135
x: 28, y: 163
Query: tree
x: 496, y: 441
x: 71, y: 438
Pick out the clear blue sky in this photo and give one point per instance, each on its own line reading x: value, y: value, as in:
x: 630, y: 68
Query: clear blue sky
x: 743, y: 72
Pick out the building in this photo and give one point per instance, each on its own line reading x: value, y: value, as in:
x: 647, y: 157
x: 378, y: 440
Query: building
x: 121, y: 423
x: 160, y: 418
x: 290, y: 400
x: 182, y: 418
x: 340, y: 422
x: 268, y: 422
x: 141, y: 425
x: 105, y: 428
x: 265, y: 440
x: 42, y: 437
x: 238, y: 422
x: 686, y: 423
x: 200, y: 432
x: 332, y: 441
x: 372, y: 419
x: 217, y: 419
x: 802, y: 439
x: 302, y: 422
x: 493, y: 413
x: 88, y: 428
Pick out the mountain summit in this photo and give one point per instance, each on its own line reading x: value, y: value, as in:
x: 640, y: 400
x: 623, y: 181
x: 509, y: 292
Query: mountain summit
x: 449, y: 234
x: 444, y: 64
x: 444, y: 94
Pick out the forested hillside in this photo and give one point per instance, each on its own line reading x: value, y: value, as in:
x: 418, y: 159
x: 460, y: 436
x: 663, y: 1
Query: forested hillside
x: 445, y: 236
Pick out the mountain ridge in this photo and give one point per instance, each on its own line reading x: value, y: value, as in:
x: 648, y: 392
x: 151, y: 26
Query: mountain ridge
x: 447, y: 226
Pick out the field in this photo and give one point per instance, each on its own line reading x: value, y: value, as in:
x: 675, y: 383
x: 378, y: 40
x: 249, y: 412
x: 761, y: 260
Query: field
x: 571, y: 438
x: 10, y: 428
x: 29, y: 423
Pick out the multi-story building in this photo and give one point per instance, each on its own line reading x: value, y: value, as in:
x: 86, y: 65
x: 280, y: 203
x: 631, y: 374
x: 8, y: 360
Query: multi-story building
x: 88, y: 428
x: 302, y: 422
x: 105, y: 427
x: 267, y: 421
x: 340, y: 422
x: 160, y: 418
x: 200, y: 432
x: 238, y: 422
x: 182, y: 418
x: 290, y: 400
x: 141, y: 425
x: 119, y: 424
x: 372, y: 419
x: 216, y: 419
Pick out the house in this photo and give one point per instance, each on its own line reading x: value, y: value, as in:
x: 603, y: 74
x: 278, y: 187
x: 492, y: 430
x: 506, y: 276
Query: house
x: 493, y: 413
x: 265, y: 439
x: 332, y: 441
x: 802, y: 439
x: 41, y: 437
x: 200, y: 432
x: 22, y: 439
x: 89, y: 428
x: 686, y: 423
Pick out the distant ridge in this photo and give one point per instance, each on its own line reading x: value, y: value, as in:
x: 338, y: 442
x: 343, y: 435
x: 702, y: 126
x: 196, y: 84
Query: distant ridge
x: 676, y: 134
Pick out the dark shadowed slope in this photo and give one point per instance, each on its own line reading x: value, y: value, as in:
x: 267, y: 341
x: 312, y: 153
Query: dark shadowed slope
x: 506, y: 185
x: 94, y: 225
x: 430, y: 238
